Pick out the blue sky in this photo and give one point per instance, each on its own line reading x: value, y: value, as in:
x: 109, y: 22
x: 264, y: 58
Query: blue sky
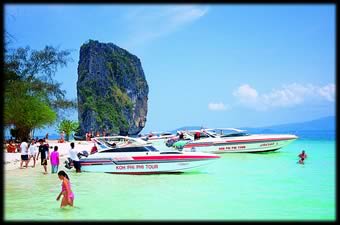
x: 215, y: 65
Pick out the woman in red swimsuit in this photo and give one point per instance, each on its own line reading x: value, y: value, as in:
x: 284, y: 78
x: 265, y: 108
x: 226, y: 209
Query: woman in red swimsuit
x: 66, y: 191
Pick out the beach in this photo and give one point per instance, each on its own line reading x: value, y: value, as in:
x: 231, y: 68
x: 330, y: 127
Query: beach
x: 12, y: 160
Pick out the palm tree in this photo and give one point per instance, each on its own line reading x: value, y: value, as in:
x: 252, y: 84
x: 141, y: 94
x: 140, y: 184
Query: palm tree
x: 68, y: 127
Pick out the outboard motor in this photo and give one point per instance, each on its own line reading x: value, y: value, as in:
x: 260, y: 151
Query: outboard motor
x: 82, y: 153
x: 68, y: 163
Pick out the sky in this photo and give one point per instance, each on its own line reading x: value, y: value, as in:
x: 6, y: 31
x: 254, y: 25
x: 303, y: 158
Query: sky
x: 220, y: 65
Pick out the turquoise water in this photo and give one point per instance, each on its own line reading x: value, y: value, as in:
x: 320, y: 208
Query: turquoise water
x: 263, y: 186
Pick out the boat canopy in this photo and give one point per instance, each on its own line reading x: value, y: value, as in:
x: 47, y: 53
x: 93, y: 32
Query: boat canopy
x: 110, y: 142
x: 143, y: 148
x: 227, y: 132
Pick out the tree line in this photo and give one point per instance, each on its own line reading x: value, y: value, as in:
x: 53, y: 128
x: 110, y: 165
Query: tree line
x: 32, y: 97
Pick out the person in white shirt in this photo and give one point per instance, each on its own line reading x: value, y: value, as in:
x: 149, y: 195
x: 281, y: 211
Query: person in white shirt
x: 32, y: 152
x: 74, y: 157
x: 24, y: 153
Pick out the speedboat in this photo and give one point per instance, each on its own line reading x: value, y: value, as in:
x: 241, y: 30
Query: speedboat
x: 227, y: 140
x: 127, y: 155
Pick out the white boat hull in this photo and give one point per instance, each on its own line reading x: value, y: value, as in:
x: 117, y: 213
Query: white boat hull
x: 146, y: 164
x: 147, y: 168
x: 258, y: 143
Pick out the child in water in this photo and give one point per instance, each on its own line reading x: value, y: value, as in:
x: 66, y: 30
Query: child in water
x: 68, y: 196
x: 302, y: 157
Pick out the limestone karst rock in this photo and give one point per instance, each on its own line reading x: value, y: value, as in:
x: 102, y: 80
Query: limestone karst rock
x: 112, y: 90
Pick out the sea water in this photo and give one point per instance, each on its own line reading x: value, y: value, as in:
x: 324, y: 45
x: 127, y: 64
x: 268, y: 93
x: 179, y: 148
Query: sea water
x: 239, y: 186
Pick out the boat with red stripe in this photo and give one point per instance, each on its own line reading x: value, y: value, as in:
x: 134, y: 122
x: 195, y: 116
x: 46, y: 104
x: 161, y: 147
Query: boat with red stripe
x: 127, y: 155
x: 231, y: 140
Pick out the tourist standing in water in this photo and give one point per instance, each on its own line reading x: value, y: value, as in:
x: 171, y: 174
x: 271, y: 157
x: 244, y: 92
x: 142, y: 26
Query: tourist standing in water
x: 68, y: 196
x: 55, y: 160
x: 44, y: 151
x: 302, y: 157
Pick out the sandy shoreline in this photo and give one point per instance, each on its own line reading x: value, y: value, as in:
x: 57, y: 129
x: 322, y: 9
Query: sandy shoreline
x: 12, y: 160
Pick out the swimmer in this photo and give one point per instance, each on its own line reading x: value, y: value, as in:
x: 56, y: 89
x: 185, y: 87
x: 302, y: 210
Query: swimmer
x: 302, y: 157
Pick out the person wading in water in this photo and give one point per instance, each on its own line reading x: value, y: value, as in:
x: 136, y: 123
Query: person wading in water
x: 302, y: 157
x: 68, y: 196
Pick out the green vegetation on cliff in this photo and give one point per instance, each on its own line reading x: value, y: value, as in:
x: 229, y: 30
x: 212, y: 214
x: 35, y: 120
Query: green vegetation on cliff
x: 106, y: 110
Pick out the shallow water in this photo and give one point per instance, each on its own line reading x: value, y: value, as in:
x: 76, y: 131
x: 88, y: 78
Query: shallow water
x: 263, y: 186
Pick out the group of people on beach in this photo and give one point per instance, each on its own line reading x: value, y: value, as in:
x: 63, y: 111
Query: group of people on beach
x: 33, y: 150
x: 13, y: 146
x: 91, y: 134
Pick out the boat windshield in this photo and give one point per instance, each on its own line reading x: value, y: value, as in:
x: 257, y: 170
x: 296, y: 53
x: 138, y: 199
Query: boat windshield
x: 227, y: 132
x: 159, y: 134
x: 151, y: 148
x: 148, y: 148
x: 118, y: 142
x: 234, y: 135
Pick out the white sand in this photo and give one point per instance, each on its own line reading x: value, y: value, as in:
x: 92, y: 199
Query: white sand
x: 12, y: 160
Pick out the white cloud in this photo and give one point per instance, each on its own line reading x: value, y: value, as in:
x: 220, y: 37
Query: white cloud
x: 217, y: 106
x: 286, y: 96
x: 149, y: 23
x: 246, y: 93
x: 328, y: 92
x: 185, y: 14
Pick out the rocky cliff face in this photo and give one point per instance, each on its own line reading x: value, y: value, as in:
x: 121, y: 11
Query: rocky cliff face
x: 112, y: 90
